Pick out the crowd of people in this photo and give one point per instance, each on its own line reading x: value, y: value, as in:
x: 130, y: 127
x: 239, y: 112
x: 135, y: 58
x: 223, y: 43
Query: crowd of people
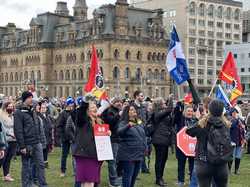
x: 31, y: 128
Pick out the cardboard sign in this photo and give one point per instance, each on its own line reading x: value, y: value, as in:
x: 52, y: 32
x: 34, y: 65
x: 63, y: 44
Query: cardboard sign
x: 103, y: 142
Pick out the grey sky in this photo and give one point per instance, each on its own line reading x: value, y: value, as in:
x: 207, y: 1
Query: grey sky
x: 21, y: 11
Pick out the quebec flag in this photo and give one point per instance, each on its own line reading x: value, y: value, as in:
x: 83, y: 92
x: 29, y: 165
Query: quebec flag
x: 220, y: 94
x: 176, y: 62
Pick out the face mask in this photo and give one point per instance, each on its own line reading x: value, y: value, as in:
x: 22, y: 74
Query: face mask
x: 9, y: 110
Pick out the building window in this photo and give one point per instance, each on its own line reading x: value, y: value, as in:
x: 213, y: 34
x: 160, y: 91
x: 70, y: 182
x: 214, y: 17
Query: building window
x: 219, y: 63
x: 116, y: 73
x: 210, y: 34
x: 191, y: 61
x: 219, y: 44
x: 201, y: 33
x: 201, y: 62
x: 127, y: 73
x: 210, y: 23
x: 202, y: 9
x: 237, y: 14
x: 202, y: 42
x: 210, y: 11
x: 210, y: 72
x: 219, y: 35
x: 228, y: 25
x: 210, y: 52
x: 116, y: 54
x: 192, y: 31
x: 192, y: 8
x: 219, y: 12
x: 211, y: 43
x: 210, y: 62
x: 192, y: 42
x: 172, y: 13
x: 228, y: 13
x: 200, y: 81
x: 219, y: 24
x: 139, y: 56
x: 191, y: 71
x: 202, y: 23
x: 242, y: 70
x: 236, y: 26
x: 128, y: 55
x: 236, y: 36
x: 248, y: 69
x: 156, y: 74
x: 192, y: 22
x: 228, y: 35
x: 149, y: 56
x: 191, y: 51
x: 219, y: 53
x: 149, y: 74
x: 138, y: 74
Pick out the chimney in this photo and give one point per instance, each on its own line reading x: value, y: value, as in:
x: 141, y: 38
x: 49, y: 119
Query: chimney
x: 62, y: 9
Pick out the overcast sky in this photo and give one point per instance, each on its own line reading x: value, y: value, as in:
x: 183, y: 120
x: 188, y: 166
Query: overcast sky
x: 21, y: 11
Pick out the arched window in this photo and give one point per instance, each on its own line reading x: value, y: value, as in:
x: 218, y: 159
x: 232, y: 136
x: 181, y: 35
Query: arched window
x: 26, y: 75
x: 100, y: 53
x: 89, y: 55
x: 156, y: 74
x: 127, y: 73
x: 219, y: 12
x: 149, y: 56
x: 61, y: 75
x: 149, y: 74
x: 16, y: 76
x: 82, y: 57
x: 39, y: 75
x: 163, y: 57
x: 32, y: 76
x: 116, y: 54
x: 67, y: 75
x: 154, y: 57
x: 80, y: 74
x: 237, y: 14
x: 21, y: 76
x: 159, y: 57
x: 116, y: 73
x: 2, y: 77
x: 11, y: 77
x: 139, y: 55
x: 67, y: 58
x: 228, y: 13
x: 192, y: 8
x: 55, y: 75
x: 210, y: 11
x: 6, y: 77
x: 128, y: 55
x: 163, y: 75
x: 138, y: 74
x: 74, y: 58
x: 202, y: 9
x: 74, y: 74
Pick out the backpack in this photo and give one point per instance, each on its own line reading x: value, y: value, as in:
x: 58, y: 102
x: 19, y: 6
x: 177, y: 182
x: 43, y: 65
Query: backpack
x: 219, y: 145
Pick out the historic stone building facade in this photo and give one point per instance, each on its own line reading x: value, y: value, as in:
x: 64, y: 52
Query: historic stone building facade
x: 55, y: 52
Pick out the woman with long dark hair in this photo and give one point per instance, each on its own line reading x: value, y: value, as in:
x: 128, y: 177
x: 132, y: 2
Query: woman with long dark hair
x: 132, y: 145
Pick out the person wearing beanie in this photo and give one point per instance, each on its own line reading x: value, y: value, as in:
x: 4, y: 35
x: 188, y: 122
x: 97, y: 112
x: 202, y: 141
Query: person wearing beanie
x: 206, y: 170
x: 28, y: 130
x: 237, y: 133
x: 65, y: 141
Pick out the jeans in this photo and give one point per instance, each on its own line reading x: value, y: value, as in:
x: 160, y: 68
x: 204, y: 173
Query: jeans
x: 194, y: 180
x: 37, y: 158
x: 9, y: 153
x: 65, y: 153
x: 131, y: 170
x: 181, y: 167
x: 114, y: 180
x: 206, y: 172
x: 161, y: 157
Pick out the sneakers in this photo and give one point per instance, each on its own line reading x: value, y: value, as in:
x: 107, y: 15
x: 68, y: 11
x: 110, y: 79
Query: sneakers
x: 8, y: 178
x: 62, y: 175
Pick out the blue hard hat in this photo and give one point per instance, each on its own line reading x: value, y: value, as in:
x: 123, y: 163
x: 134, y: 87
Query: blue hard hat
x: 79, y: 100
x: 70, y: 101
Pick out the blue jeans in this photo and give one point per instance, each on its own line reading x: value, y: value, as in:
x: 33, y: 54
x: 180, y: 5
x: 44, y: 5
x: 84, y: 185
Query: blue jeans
x: 130, y: 172
x: 114, y: 180
x: 37, y: 159
x: 194, y: 180
x: 65, y: 153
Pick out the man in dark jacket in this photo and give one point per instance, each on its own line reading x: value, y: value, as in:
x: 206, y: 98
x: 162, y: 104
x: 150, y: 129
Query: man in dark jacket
x: 111, y: 116
x: 28, y: 131
x: 2, y: 142
x: 65, y: 142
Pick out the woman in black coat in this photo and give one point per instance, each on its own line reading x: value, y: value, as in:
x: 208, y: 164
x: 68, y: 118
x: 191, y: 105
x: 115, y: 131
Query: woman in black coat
x: 132, y: 145
x: 162, y: 137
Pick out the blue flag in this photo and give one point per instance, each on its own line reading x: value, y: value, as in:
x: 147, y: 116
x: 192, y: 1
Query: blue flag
x: 220, y: 94
x: 176, y: 62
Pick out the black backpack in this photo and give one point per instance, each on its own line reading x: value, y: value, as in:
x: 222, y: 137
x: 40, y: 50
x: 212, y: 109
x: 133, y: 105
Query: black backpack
x: 219, y: 146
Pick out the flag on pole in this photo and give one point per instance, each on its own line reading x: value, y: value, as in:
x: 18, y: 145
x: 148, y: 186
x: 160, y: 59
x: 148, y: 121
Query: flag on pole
x: 176, y: 62
x: 221, y: 95
x: 229, y: 75
x: 95, y: 84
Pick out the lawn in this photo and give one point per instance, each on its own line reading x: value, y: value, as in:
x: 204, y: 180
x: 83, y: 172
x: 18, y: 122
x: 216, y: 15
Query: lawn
x: 242, y: 180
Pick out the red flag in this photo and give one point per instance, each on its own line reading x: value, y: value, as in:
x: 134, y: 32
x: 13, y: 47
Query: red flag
x: 188, y: 99
x: 229, y: 75
x: 95, y: 84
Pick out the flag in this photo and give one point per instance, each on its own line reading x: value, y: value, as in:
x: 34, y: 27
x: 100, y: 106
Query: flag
x: 176, y: 62
x: 95, y: 84
x: 188, y: 99
x: 194, y: 94
x: 221, y: 95
x: 229, y: 75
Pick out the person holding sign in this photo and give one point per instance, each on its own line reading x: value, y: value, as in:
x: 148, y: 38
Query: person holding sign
x: 88, y: 168
x: 132, y: 145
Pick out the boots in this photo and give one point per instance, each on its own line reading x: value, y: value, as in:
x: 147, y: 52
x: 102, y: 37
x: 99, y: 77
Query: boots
x: 237, y: 166
x: 230, y: 163
x: 160, y: 182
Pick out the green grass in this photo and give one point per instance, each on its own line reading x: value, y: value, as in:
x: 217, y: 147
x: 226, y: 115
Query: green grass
x: 242, y: 180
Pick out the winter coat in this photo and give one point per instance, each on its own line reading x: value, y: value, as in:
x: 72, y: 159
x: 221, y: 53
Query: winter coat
x: 61, y: 126
x: 27, y: 127
x: 237, y: 132
x: 84, y: 145
x: 200, y: 131
x: 48, y: 128
x: 111, y: 116
x: 163, y: 128
x: 71, y: 127
x: 3, y: 142
x: 132, y: 144
x: 8, y: 125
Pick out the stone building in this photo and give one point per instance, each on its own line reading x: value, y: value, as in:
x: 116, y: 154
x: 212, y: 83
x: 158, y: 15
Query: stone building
x: 205, y: 28
x: 55, y: 52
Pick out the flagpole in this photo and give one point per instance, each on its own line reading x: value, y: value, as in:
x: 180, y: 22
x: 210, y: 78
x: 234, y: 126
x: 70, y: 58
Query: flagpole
x: 211, y: 92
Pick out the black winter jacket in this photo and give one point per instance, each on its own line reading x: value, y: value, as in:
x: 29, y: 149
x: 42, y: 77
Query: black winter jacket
x: 27, y: 127
x: 48, y: 127
x: 61, y: 126
x: 84, y: 145
x: 111, y: 116
x: 163, y: 128
x: 132, y: 144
